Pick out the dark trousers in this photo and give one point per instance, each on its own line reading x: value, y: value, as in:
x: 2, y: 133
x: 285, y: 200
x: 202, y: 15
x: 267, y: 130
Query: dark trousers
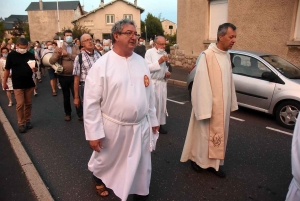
x: 67, y: 85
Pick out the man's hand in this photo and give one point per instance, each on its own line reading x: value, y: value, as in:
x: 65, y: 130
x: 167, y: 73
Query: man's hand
x: 155, y: 129
x: 64, y: 53
x: 163, y: 59
x: 77, y: 102
x: 4, y: 85
x: 95, y: 144
x: 168, y: 75
x: 59, y: 50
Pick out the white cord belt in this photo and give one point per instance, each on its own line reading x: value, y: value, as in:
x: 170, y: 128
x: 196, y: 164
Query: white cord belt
x: 120, y: 122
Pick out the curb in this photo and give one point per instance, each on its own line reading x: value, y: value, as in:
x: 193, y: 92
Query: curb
x: 177, y: 82
x: 38, y: 186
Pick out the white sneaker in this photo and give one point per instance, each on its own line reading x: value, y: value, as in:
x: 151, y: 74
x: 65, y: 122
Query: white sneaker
x: 35, y: 93
x: 58, y: 85
x: 10, y: 104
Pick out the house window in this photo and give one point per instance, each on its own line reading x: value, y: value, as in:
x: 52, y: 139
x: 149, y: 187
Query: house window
x: 88, y: 23
x: 297, y: 27
x: 110, y: 19
x: 128, y: 17
x: 218, y: 15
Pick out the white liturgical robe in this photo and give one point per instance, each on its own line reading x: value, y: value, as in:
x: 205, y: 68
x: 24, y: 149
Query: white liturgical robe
x: 294, y: 189
x: 158, y: 72
x: 119, y: 109
x: 196, y: 147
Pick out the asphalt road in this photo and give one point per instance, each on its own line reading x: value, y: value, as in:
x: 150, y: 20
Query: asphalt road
x: 257, y: 160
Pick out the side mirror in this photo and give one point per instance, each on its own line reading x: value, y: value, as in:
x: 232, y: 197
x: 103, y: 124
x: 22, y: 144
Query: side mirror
x: 270, y: 76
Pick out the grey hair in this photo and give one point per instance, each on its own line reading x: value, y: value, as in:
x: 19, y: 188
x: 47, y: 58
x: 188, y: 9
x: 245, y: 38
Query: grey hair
x: 83, y: 35
x: 156, y: 38
x: 222, y: 30
x: 118, y: 27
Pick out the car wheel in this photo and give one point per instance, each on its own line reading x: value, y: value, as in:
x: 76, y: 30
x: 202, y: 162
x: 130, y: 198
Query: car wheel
x: 286, y: 113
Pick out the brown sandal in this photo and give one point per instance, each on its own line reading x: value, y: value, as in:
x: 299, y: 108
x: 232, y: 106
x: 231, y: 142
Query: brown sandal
x: 100, y: 188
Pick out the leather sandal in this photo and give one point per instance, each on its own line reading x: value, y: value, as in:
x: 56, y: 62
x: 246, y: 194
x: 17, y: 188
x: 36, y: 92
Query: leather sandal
x: 100, y: 189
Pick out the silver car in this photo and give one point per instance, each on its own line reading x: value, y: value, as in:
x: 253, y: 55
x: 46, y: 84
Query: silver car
x: 264, y: 82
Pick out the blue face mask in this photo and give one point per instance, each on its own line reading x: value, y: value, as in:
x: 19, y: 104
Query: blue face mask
x: 4, y: 55
x: 106, y: 48
x: 69, y: 39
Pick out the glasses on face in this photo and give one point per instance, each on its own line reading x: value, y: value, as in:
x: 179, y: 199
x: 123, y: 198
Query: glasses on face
x: 130, y: 33
x: 87, y: 40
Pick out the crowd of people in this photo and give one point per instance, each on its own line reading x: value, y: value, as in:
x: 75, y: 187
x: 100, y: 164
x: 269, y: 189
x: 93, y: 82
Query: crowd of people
x: 119, y: 90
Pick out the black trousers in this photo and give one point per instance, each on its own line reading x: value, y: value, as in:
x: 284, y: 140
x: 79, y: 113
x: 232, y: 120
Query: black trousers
x: 67, y: 86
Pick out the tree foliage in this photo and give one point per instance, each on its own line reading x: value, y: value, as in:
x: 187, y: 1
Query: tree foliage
x: 18, y: 28
x: 2, y: 30
x: 143, y: 33
x: 78, y: 30
x: 154, y: 27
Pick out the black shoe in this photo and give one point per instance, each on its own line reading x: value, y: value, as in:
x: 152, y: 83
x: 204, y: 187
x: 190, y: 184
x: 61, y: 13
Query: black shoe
x: 196, y: 167
x: 219, y: 173
x: 28, y: 125
x: 22, y: 129
x: 162, y: 131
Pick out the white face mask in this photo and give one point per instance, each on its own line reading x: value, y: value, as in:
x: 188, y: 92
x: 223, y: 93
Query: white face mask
x: 4, y: 55
x: 160, y: 51
x: 50, y: 47
x: 21, y: 51
x: 141, y: 43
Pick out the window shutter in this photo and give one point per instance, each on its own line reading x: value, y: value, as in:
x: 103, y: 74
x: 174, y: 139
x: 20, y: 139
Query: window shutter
x: 218, y: 15
x: 297, y: 26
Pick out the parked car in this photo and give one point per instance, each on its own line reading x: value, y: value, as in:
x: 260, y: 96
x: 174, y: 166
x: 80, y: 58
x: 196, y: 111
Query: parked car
x: 264, y: 82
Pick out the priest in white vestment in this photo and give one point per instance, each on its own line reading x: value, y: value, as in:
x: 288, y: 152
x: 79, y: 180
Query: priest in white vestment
x: 294, y: 189
x: 120, y: 117
x: 156, y: 59
x: 213, y: 98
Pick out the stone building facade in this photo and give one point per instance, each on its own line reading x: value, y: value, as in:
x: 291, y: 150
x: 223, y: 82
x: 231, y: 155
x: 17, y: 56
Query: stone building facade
x: 267, y: 26
x: 42, y: 18
x: 166, y: 27
x: 101, y: 19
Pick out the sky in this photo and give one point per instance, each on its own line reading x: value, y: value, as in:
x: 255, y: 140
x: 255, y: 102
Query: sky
x: 167, y: 8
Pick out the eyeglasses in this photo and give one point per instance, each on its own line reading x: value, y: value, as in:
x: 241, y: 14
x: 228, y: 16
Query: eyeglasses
x: 87, y: 40
x: 129, y: 33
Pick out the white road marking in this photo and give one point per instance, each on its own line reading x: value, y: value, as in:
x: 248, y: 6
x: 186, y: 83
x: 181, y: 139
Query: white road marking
x: 236, y: 118
x: 280, y: 131
x: 181, y: 103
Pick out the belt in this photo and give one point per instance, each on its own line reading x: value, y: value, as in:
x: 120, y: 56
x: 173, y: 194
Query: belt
x: 152, y: 139
x: 120, y: 122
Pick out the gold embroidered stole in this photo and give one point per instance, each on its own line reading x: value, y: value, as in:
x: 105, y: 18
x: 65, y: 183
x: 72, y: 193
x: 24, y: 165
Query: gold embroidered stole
x: 216, y: 125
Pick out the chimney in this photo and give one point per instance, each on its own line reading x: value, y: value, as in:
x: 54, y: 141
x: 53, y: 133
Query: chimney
x: 102, y: 3
x: 41, y: 5
x: 135, y: 2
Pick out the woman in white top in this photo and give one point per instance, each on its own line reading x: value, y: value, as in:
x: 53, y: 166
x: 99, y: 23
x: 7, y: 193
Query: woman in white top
x: 9, y: 91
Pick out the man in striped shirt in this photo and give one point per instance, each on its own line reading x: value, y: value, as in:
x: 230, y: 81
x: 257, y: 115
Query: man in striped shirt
x: 82, y: 64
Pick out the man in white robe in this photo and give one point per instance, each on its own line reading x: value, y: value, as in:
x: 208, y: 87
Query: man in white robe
x: 156, y: 59
x: 294, y: 189
x: 213, y: 98
x: 119, y: 112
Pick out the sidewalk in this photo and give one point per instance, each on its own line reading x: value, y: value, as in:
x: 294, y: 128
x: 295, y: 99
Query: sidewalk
x: 13, y: 181
x: 179, y: 76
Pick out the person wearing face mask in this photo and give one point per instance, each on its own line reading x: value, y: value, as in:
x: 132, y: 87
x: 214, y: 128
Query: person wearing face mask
x: 4, y: 53
x: 22, y: 82
x: 106, y: 46
x: 66, y: 55
x: 140, y: 49
x: 156, y: 59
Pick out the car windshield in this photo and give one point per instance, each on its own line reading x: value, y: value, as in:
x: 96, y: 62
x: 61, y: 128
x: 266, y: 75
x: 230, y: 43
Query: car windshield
x: 284, y: 67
